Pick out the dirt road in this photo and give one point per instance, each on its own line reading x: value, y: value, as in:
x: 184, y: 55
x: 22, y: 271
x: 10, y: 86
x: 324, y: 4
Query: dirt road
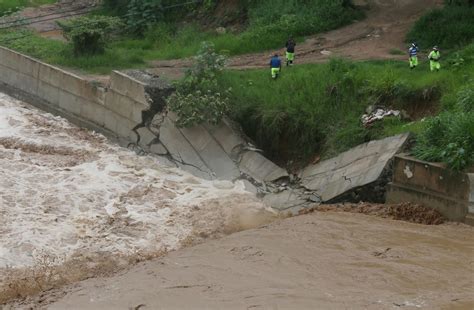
x: 384, y: 29
x: 317, y: 261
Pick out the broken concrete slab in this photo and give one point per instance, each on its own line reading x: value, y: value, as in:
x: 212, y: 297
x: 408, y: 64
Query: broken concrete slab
x: 180, y: 150
x: 211, y: 153
x: 227, y: 137
x: 147, y: 137
x: 221, y: 151
x: 286, y: 200
x: 260, y: 168
x: 355, y: 168
x: 158, y: 149
x: 249, y: 187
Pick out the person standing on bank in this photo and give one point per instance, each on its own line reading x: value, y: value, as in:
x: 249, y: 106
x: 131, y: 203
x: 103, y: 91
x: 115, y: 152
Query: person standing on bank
x: 275, y: 66
x: 413, y: 54
x: 290, y: 51
x: 434, y: 57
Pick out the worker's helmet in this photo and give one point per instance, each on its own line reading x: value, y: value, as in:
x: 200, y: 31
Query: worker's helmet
x: 435, y: 47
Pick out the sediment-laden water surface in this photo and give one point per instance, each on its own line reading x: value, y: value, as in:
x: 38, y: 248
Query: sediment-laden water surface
x: 66, y: 193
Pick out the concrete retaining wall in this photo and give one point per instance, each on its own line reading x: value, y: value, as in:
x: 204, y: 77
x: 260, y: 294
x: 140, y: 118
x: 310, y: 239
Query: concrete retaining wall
x: 117, y: 109
x: 431, y: 184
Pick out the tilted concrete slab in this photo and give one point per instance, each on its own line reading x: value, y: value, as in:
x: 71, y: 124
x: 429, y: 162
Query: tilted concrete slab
x: 180, y: 150
x: 260, y: 168
x: 228, y: 138
x: 285, y: 200
x: 211, y: 153
x: 357, y: 167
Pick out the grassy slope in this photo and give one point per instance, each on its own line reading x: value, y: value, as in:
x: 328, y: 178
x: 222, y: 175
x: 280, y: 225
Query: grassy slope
x: 270, y: 24
x: 451, y: 26
x: 316, y: 109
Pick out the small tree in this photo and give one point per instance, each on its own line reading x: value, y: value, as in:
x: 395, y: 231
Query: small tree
x: 89, y: 35
x: 197, y: 98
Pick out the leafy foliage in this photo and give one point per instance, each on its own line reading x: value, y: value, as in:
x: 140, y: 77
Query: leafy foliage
x: 89, y: 35
x: 142, y: 14
x: 197, y: 98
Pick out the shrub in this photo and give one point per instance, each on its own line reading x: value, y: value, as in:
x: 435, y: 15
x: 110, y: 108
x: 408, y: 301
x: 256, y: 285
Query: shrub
x: 89, y: 35
x: 197, y: 107
x: 197, y: 99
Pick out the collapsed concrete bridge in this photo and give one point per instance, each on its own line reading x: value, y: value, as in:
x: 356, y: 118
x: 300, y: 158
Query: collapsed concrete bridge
x: 131, y: 109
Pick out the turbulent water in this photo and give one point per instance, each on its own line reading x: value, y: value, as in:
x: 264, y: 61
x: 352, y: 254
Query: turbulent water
x: 65, y: 192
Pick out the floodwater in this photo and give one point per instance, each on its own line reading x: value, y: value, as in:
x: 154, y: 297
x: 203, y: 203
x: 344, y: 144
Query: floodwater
x: 323, y: 260
x: 68, y: 193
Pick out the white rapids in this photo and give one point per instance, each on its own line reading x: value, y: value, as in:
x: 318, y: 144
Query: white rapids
x: 65, y: 191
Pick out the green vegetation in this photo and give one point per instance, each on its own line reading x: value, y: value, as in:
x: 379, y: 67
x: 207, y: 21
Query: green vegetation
x: 316, y: 109
x: 449, y: 27
x: 198, y: 98
x: 10, y: 6
x: 149, y: 37
x: 89, y: 35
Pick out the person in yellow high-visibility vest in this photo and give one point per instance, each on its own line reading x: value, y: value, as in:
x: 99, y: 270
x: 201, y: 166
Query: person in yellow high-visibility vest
x: 434, y: 57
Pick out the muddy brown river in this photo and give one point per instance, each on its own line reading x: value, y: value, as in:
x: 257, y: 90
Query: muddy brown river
x: 317, y: 261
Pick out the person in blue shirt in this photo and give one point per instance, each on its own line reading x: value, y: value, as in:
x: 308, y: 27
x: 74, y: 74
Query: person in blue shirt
x: 413, y: 54
x: 275, y: 65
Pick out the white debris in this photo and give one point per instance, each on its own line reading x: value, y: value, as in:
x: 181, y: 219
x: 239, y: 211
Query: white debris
x: 378, y: 114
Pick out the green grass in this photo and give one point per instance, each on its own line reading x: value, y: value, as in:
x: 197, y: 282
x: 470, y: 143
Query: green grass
x: 316, y: 109
x: 13, y: 5
x: 449, y: 27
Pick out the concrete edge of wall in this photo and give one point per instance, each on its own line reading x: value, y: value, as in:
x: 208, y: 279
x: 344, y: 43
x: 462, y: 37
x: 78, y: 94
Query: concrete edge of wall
x: 106, y: 110
x: 47, y: 107
x: 433, y: 185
